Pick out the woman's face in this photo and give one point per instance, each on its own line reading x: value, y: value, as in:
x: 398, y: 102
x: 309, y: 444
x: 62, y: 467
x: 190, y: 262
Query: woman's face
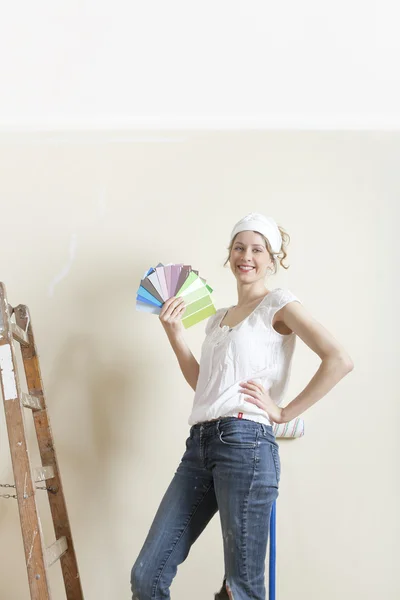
x: 249, y: 249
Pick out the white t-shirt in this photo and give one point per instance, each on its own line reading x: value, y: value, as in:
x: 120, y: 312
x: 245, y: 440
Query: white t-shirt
x: 252, y: 349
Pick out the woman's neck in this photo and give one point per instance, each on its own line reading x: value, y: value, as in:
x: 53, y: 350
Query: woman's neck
x: 247, y: 297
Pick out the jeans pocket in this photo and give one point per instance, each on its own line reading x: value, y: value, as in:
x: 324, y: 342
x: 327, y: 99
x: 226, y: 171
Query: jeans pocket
x: 237, y: 436
x: 277, y: 461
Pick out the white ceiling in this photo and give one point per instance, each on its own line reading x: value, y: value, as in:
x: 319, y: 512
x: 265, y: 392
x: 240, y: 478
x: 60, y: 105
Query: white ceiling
x: 210, y: 64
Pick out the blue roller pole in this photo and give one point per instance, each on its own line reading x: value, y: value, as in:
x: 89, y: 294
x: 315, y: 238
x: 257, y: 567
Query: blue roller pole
x: 272, y: 553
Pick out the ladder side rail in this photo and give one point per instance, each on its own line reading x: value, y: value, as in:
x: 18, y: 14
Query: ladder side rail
x: 25, y: 488
x: 48, y: 455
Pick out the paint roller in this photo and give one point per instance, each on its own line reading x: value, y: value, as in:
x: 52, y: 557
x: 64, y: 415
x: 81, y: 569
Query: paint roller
x: 292, y: 429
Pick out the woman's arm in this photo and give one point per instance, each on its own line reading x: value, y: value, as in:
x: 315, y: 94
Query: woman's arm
x: 187, y: 362
x: 171, y: 319
x: 335, y: 361
x: 330, y: 372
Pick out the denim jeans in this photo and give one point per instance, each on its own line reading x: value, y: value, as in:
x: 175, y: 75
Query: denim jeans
x: 232, y: 466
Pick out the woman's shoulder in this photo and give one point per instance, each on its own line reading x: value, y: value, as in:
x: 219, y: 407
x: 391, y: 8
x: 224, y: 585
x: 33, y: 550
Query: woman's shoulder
x: 285, y: 292
x: 278, y: 297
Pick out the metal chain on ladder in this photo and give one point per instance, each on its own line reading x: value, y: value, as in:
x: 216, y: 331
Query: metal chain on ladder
x: 50, y: 489
x: 7, y: 485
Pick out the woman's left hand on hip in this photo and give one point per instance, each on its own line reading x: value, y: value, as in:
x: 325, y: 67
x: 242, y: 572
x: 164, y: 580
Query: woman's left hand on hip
x: 259, y: 396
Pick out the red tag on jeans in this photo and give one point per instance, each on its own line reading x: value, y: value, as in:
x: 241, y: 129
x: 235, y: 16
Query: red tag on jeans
x: 240, y: 415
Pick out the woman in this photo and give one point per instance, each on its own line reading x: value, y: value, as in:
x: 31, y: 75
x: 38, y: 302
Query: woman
x: 231, y: 463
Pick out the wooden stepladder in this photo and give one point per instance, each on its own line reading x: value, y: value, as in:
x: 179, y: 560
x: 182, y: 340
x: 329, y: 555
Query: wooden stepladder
x: 15, y: 324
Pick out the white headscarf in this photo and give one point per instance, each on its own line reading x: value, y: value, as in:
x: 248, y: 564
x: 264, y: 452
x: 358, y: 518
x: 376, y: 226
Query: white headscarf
x: 265, y: 225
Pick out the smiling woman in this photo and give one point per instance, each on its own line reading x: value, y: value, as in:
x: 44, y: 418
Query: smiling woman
x: 232, y: 462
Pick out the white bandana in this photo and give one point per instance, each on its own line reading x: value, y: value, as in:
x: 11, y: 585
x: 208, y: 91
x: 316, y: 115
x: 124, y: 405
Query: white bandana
x: 265, y: 225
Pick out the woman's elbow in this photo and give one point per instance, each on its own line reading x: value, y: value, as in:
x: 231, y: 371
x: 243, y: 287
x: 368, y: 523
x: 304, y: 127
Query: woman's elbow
x: 347, y: 362
x: 342, y: 360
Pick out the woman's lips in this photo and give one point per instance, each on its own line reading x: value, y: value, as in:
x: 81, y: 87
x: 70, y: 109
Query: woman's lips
x: 245, y: 269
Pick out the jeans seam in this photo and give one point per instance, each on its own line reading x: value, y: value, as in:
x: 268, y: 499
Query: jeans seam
x: 244, y: 520
x: 274, y: 453
x: 155, y: 585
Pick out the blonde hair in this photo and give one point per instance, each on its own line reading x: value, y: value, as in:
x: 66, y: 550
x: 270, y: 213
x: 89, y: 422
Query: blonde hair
x: 282, y: 254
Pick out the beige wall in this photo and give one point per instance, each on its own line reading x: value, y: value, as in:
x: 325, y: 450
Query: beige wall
x: 82, y: 218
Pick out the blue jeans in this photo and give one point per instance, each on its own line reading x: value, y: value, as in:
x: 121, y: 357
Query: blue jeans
x: 231, y: 465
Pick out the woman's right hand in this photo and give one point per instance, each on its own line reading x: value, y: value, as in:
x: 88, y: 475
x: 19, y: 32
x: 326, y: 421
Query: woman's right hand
x: 171, y: 315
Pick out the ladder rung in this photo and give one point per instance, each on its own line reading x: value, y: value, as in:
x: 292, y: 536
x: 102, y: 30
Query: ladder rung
x: 56, y: 550
x: 19, y: 334
x: 31, y: 401
x: 43, y: 473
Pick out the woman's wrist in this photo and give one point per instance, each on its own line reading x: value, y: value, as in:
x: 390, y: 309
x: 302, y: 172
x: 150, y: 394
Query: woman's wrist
x: 283, y: 416
x: 175, y: 337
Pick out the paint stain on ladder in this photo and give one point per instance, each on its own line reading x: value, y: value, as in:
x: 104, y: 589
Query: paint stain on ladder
x: 31, y: 550
x: 7, y: 371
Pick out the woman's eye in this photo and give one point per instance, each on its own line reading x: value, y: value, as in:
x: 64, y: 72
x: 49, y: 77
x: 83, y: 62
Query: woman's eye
x: 240, y: 248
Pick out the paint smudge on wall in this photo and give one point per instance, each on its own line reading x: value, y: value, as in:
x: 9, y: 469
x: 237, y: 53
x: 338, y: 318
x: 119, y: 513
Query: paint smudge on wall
x: 73, y: 244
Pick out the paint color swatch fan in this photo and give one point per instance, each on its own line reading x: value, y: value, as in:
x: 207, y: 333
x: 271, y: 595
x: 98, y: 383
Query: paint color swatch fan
x: 164, y: 281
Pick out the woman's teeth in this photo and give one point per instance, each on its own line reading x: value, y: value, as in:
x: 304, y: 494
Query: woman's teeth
x: 246, y: 268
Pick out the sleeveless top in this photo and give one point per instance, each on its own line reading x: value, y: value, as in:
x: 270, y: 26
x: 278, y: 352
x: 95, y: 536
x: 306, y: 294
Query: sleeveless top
x: 252, y: 349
